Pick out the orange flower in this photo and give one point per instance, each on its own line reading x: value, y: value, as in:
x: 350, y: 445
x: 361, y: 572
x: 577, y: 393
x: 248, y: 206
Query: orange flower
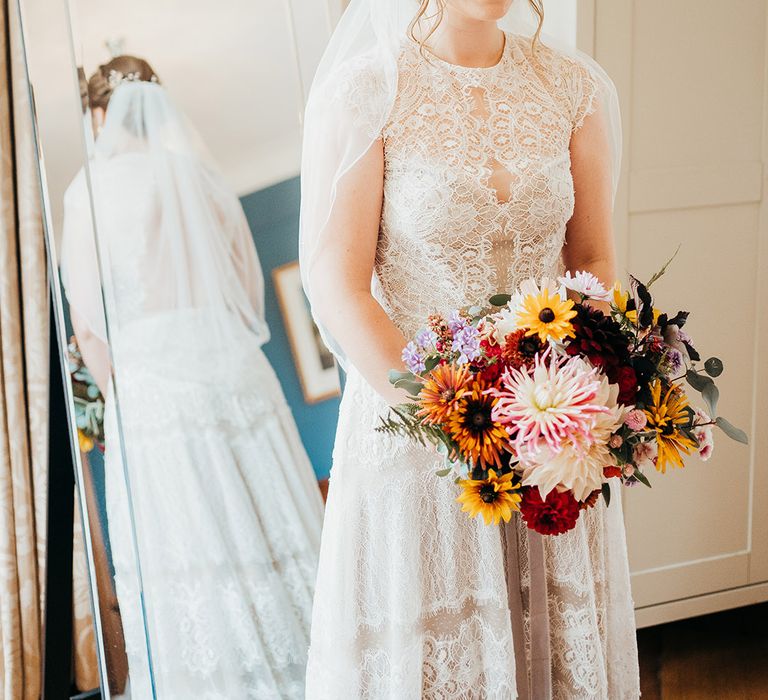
x: 442, y: 392
x: 478, y: 436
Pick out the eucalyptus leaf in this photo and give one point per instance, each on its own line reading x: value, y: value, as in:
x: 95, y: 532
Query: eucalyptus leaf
x: 696, y: 380
x: 714, y: 366
x: 395, y: 376
x: 412, y: 387
x: 732, y: 431
x: 642, y: 478
x: 711, y: 394
x: 500, y: 299
x: 444, y: 472
x: 431, y: 362
x: 606, y: 490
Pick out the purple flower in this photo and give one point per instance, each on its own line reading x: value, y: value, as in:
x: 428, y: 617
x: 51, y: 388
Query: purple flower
x: 456, y: 322
x: 673, y: 362
x: 467, y: 342
x: 426, y: 338
x: 413, y: 358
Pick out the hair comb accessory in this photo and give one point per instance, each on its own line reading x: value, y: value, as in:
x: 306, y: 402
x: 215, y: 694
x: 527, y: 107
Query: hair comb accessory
x: 116, y: 77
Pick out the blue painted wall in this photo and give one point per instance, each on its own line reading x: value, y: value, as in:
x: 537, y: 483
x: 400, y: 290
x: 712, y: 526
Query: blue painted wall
x: 273, y: 215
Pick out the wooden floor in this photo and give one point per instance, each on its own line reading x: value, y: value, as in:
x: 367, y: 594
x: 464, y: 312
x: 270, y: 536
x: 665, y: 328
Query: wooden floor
x: 716, y: 657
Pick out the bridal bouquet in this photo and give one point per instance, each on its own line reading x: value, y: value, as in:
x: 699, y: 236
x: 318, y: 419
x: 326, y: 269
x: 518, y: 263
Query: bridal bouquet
x: 539, y: 401
x: 89, y: 403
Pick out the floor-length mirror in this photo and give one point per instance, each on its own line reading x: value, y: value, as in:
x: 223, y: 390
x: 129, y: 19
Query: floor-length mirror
x: 171, y: 139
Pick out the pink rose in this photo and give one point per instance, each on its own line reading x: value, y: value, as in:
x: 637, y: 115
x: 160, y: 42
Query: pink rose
x: 616, y: 441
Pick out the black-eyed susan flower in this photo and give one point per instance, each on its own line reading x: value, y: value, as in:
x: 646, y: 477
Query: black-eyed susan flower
x: 495, y: 498
x: 479, y: 437
x: 665, y: 414
x: 547, y: 315
x: 442, y: 392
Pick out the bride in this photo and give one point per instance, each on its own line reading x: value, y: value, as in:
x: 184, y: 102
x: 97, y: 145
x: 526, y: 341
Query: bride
x: 223, y: 501
x: 446, y: 160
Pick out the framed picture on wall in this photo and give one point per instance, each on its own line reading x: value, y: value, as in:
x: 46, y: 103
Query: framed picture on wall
x: 315, y: 364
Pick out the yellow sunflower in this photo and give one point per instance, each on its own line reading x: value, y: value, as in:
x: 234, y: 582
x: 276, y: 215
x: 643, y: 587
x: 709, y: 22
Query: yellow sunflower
x: 664, y: 415
x: 442, y: 392
x: 547, y: 315
x: 495, y: 498
x: 478, y: 436
x: 621, y: 299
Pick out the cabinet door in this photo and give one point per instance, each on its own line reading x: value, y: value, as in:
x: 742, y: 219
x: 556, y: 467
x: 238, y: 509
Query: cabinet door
x: 692, y: 83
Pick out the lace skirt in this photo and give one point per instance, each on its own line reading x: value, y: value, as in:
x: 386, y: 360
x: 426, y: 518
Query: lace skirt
x: 415, y: 600
x: 227, y: 518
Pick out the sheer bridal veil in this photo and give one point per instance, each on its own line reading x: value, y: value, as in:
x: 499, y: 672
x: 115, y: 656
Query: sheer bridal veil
x: 173, y: 243
x: 353, y: 93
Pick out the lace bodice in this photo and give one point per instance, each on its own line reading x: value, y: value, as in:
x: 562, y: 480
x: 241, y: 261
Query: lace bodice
x: 477, y: 180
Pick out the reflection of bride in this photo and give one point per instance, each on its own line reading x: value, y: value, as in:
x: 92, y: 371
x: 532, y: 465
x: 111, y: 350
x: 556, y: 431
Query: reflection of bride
x: 224, y: 503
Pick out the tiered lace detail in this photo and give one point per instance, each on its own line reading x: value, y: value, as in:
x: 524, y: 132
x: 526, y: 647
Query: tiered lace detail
x: 411, y: 598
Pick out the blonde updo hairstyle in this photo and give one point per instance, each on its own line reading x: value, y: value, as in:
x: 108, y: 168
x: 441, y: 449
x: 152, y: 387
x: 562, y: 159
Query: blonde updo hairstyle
x: 536, y: 5
x: 103, y: 82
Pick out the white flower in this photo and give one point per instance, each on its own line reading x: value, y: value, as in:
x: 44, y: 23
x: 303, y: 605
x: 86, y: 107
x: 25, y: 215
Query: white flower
x: 704, y: 436
x: 587, y: 284
x: 576, y: 454
x: 645, y: 453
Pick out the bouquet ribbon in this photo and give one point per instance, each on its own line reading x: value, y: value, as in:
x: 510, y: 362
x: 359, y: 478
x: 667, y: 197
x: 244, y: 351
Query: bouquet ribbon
x: 541, y: 656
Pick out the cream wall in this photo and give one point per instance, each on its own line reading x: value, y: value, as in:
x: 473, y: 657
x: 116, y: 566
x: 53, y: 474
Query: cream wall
x: 692, y: 83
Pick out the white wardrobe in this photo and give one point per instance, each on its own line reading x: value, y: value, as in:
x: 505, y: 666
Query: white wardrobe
x: 693, y: 82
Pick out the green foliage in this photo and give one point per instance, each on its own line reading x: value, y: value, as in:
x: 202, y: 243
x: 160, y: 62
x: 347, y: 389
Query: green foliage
x: 732, y: 431
x: 403, y: 421
x: 500, y: 299
x: 713, y: 367
x: 606, y: 491
x: 663, y: 269
x: 642, y: 478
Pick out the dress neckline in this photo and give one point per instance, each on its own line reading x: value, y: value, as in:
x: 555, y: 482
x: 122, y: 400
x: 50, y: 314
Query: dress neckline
x: 466, y: 71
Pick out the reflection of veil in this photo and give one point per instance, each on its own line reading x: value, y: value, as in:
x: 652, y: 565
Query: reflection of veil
x: 344, y: 117
x: 172, y: 238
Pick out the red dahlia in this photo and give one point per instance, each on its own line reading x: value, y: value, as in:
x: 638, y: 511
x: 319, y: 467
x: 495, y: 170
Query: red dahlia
x: 490, y: 369
x: 520, y: 350
x: 598, y: 336
x: 556, y: 514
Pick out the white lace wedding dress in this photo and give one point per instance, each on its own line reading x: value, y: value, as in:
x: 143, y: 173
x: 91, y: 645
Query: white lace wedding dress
x: 224, y: 500
x: 412, y: 597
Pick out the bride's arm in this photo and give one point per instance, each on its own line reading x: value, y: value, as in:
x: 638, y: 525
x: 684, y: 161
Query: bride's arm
x: 340, y: 277
x: 589, y: 235
x: 94, y: 351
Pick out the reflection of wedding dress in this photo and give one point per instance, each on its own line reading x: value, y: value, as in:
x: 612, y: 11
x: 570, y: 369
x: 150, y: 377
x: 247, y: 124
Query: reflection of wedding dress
x: 226, y: 508
x: 412, y: 597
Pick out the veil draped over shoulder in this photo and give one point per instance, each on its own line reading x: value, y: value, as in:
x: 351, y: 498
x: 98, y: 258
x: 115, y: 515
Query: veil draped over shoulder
x: 344, y: 117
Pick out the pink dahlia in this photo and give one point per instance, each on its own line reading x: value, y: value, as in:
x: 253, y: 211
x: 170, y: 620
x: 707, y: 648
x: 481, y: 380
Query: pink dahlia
x: 556, y: 401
